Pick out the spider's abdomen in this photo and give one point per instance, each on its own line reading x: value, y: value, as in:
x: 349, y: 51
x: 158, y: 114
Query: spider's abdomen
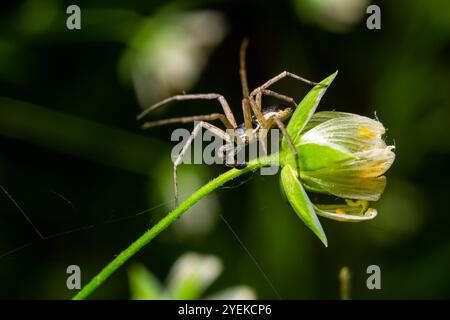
x: 283, y: 112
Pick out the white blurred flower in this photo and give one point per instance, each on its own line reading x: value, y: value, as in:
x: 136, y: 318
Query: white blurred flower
x: 169, y: 52
x: 333, y: 15
x: 188, y: 279
x: 234, y: 293
x: 192, y: 273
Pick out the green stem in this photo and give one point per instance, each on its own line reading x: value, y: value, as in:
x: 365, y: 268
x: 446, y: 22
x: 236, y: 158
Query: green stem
x: 150, y: 234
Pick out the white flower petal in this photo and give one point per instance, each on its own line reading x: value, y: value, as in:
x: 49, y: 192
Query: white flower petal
x: 341, y: 186
x: 353, y: 211
x: 322, y: 116
x: 359, y: 178
x: 355, y: 133
x: 375, y: 162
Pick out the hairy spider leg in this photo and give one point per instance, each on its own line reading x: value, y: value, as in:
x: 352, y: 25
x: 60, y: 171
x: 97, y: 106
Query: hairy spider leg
x: 246, y: 107
x: 202, y: 96
x: 278, y: 96
x: 285, y: 134
x: 204, y: 117
x: 197, y: 129
x: 277, y: 78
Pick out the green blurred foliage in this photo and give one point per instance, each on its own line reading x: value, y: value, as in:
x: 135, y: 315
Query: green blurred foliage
x: 73, y: 156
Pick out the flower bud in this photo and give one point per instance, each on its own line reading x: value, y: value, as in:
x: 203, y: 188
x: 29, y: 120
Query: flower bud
x: 344, y: 154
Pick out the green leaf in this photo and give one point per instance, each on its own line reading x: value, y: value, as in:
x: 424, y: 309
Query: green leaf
x: 300, y: 202
x: 306, y: 109
x: 143, y: 285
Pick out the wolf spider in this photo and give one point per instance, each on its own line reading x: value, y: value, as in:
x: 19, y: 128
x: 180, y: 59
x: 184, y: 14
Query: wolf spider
x: 264, y: 118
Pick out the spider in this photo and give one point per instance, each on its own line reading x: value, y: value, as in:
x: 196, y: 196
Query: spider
x: 236, y: 136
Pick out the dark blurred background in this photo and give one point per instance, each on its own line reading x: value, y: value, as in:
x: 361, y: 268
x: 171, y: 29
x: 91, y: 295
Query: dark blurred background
x: 73, y: 157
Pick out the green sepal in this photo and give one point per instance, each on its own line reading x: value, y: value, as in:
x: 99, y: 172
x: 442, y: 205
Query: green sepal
x: 315, y: 156
x: 306, y: 109
x: 300, y: 202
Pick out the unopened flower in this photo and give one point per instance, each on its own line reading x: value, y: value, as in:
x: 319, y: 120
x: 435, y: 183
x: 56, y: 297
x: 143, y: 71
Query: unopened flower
x: 339, y: 154
x: 362, y: 156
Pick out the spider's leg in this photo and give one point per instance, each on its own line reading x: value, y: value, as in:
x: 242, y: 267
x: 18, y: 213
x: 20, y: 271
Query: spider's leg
x: 246, y: 103
x: 202, y: 96
x: 247, y: 119
x: 278, y: 78
x: 258, y: 100
x: 243, y: 68
x: 255, y: 103
x: 205, y: 117
x: 262, y: 132
x: 280, y: 96
x: 282, y: 128
x: 197, y: 129
x: 256, y: 108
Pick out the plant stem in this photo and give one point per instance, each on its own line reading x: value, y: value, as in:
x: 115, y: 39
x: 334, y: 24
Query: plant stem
x: 150, y: 234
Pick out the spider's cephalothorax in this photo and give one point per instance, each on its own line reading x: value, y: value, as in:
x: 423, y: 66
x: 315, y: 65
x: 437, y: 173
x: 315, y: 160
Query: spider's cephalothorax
x: 283, y: 112
x: 257, y: 119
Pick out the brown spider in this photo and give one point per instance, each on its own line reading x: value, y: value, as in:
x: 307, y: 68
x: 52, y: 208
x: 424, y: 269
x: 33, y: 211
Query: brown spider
x: 264, y: 118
